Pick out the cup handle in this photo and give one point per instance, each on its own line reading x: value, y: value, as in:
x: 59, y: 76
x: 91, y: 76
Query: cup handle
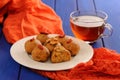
x: 110, y: 30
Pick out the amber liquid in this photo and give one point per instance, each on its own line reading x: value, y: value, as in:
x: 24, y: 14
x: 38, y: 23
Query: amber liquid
x: 90, y: 30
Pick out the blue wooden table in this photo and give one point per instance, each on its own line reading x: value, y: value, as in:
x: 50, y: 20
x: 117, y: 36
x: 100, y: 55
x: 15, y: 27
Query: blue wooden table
x: 10, y: 70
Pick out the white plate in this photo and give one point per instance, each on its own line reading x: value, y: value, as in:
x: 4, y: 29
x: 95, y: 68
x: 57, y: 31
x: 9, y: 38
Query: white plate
x: 19, y: 54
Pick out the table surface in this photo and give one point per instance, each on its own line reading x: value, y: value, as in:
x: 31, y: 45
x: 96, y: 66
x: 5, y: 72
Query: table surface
x: 11, y: 70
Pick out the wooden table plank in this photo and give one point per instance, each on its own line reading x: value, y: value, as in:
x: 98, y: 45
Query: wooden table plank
x: 111, y: 8
x: 86, y: 5
x: 50, y: 3
x: 27, y: 74
x: 9, y: 69
x: 63, y: 9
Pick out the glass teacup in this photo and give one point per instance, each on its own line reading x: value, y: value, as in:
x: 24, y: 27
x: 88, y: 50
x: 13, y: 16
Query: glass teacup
x: 89, y: 26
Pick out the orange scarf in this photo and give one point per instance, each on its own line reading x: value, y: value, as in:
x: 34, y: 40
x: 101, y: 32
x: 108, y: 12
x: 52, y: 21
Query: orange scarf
x: 28, y: 17
x: 105, y: 65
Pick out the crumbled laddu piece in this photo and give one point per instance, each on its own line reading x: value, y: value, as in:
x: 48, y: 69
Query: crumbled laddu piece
x: 51, y: 43
x: 60, y: 54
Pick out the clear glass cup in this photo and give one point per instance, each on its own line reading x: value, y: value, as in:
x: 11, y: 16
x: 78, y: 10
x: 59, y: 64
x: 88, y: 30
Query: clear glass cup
x: 90, y: 26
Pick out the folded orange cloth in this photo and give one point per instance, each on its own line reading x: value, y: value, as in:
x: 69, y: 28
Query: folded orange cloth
x: 28, y: 17
x: 105, y: 65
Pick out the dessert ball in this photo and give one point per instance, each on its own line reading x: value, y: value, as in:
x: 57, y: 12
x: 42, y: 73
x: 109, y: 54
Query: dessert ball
x: 42, y: 37
x: 71, y: 45
x: 40, y: 53
x: 61, y: 39
x: 30, y: 45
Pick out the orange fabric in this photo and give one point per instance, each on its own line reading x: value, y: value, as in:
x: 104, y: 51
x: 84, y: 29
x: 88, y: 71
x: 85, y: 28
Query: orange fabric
x: 105, y: 65
x: 28, y: 17
x: 3, y: 8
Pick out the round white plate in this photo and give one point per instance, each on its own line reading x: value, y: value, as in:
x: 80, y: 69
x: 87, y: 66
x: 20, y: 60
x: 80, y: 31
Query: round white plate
x: 19, y: 54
